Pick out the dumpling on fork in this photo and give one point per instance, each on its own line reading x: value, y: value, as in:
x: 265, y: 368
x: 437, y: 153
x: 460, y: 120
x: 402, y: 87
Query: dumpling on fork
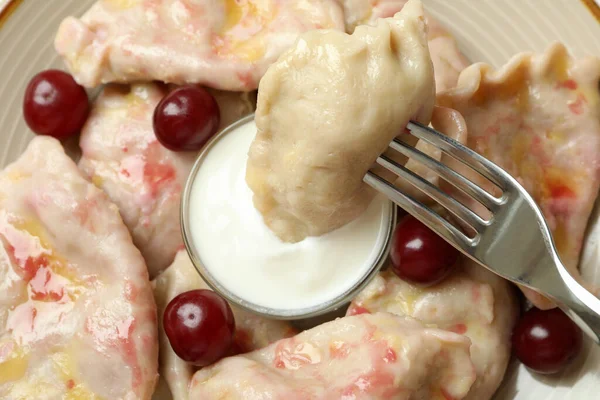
x: 538, y: 117
x: 223, y: 44
x: 77, y: 316
x: 378, y: 356
x: 361, y: 12
x: 121, y: 155
x: 326, y: 110
x: 448, y: 60
x: 252, y: 332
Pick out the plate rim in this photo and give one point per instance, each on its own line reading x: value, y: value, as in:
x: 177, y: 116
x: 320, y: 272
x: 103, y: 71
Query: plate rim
x: 8, y: 7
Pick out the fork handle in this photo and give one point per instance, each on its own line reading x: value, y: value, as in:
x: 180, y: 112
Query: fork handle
x: 580, y: 305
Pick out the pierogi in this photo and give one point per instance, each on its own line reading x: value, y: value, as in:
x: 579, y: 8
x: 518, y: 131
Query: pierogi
x: 448, y: 60
x: 538, y: 117
x: 472, y: 302
x: 326, y: 110
x: 339, y: 80
x: 121, y: 155
x: 77, y: 316
x: 378, y: 356
x: 223, y: 44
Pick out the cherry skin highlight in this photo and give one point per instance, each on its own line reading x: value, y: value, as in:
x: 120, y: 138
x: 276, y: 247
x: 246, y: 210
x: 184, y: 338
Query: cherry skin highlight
x: 200, y: 326
x: 55, y: 105
x: 546, y: 341
x: 186, y: 119
x: 419, y: 255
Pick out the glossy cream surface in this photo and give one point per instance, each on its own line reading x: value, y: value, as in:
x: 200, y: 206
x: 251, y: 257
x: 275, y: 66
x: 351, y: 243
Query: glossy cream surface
x: 245, y: 257
x: 77, y: 316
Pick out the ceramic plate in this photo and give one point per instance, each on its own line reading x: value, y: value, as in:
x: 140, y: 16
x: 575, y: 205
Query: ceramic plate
x: 487, y: 30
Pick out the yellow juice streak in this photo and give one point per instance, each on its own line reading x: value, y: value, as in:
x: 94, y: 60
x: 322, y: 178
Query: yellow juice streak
x: 15, y: 176
x: 122, y: 4
x: 57, y: 264
x: 133, y: 99
x: 408, y: 300
x: 243, y: 12
x: 15, y: 367
x: 234, y: 11
x: 250, y: 51
x: 98, y: 181
x: 63, y: 362
x: 559, y: 68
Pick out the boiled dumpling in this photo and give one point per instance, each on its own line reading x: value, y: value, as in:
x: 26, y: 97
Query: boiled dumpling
x: 77, y: 317
x: 222, y: 44
x: 326, y: 110
x: 377, y: 357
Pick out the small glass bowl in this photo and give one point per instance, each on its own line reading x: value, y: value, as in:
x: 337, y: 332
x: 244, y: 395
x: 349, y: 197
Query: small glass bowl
x: 284, y: 314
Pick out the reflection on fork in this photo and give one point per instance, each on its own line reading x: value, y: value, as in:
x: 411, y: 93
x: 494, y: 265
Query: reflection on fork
x: 511, y: 239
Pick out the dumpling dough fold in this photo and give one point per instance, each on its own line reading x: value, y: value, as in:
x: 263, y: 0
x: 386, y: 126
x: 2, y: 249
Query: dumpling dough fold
x: 538, y: 118
x: 472, y: 301
x: 77, y: 317
x: 222, y: 44
x: 326, y: 110
x: 379, y: 356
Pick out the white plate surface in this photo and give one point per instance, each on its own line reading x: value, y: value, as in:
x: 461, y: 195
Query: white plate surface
x: 487, y: 30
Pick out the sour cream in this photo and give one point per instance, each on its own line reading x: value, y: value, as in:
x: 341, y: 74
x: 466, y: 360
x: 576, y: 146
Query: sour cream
x: 240, y: 257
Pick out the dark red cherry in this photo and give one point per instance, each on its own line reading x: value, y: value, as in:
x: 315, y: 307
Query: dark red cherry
x: 200, y: 326
x: 419, y: 255
x: 55, y: 105
x: 186, y: 119
x: 546, y: 341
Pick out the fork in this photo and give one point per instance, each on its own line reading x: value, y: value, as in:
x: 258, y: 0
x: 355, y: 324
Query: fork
x: 514, y: 242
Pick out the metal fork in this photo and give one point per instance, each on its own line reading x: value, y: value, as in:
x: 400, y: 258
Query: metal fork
x: 515, y: 242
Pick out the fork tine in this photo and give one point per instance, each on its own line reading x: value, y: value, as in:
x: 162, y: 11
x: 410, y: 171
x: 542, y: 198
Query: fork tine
x: 451, y: 204
x: 420, y: 211
x: 459, y: 152
x: 453, y: 177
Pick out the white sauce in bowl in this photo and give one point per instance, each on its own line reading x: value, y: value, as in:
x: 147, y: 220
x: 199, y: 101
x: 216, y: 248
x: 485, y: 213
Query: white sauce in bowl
x: 240, y: 252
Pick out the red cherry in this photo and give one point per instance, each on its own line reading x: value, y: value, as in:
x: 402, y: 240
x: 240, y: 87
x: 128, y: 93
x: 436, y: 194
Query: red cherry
x: 55, y: 105
x: 186, y: 119
x: 546, y: 341
x: 419, y: 255
x: 200, y: 326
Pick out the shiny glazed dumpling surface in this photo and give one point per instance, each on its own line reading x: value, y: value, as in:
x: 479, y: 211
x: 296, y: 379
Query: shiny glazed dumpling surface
x: 77, y: 316
x: 223, y: 44
x: 251, y: 332
x: 379, y: 356
x: 448, y: 61
x: 538, y: 117
x: 326, y: 110
x: 472, y: 301
x: 121, y: 155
